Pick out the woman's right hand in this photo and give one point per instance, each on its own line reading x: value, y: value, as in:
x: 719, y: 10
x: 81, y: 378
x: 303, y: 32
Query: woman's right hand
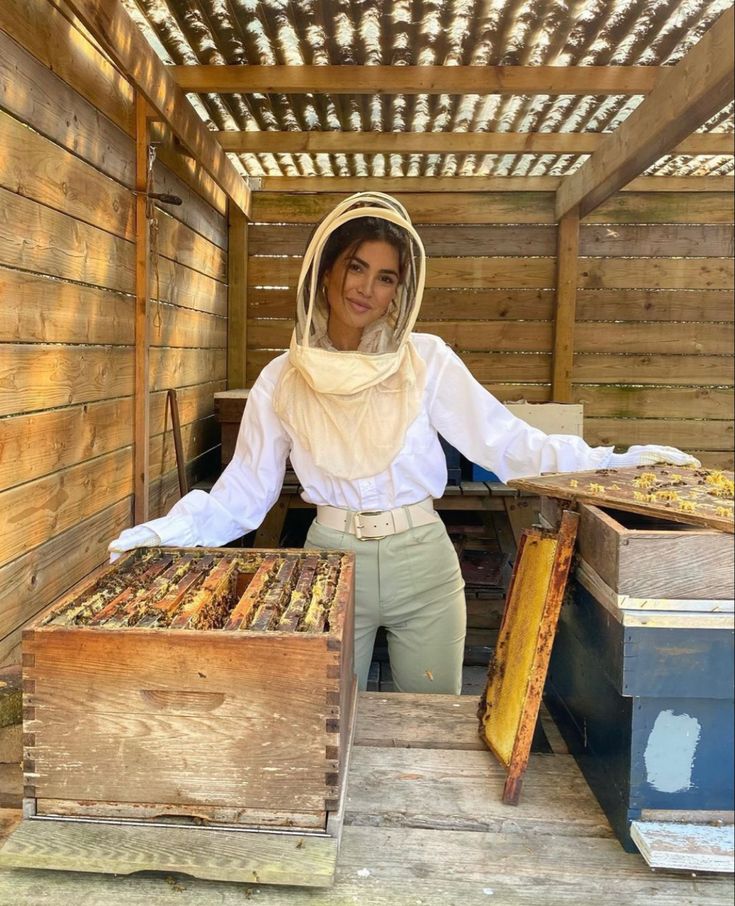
x: 137, y: 536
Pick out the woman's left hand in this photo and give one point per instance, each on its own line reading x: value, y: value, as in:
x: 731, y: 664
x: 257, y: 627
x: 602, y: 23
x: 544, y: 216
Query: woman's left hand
x: 649, y: 454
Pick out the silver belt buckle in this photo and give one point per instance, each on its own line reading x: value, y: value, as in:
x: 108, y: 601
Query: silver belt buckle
x: 356, y: 521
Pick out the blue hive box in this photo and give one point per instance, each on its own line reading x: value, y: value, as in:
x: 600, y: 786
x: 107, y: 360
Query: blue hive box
x: 642, y: 667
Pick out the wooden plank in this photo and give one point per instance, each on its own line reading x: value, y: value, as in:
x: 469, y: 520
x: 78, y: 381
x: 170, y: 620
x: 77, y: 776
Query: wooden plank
x: 625, y: 240
x: 34, y: 377
x: 170, y: 367
x: 636, y: 337
x: 180, y: 285
x: 48, y: 506
x: 404, y: 787
x: 447, y: 241
x: 690, y: 496
x: 654, y: 305
x: 419, y: 79
x: 687, y: 434
x: 260, y: 857
x: 445, y: 207
x: 692, y: 847
x: 174, y: 326
x: 591, y: 368
x: 530, y: 273
x: 183, y: 245
x: 112, y: 26
x: 665, y: 207
x: 192, y: 173
x: 337, y: 142
x: 36, y: 96
x: 39, y: 169
x: 36, y: 578
x: 196, y: 439
x: 652, y: 402
x: 657, y: 273
x: 237, y: 302
x: 34, y: 445
x: 39, y: 309
x: 195, y: 402
x: 417, y: 722
x: 413, y: 863
x: 45, y: 31
x: 687, y: 95
x: 665, y: 240
x: 37, y: 238
x: 392, y: 184
x: 195, y: 211
x: 566, y: 303
x: 141, y: 420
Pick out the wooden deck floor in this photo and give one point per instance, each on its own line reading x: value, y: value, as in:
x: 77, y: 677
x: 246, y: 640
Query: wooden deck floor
x: 425, y: 825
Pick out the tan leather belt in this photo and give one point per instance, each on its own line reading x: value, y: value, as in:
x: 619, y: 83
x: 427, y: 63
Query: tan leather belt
x: 373, y: 525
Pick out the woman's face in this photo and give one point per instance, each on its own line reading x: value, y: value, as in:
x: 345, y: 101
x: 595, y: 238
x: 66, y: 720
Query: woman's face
x: 359, y: 288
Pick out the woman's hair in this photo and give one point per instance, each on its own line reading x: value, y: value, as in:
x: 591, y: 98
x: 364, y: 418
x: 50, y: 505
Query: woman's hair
x: 351, y: 235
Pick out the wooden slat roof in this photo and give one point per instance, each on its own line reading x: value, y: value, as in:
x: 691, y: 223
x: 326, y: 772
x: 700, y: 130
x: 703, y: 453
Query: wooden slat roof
x: 563, y: 33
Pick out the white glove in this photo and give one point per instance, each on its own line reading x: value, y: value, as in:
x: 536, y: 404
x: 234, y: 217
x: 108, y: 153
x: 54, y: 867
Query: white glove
x: 130, y: 538
x: 647, y: 455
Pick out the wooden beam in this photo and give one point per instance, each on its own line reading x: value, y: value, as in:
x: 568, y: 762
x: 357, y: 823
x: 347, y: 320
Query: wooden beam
x: 111, y: 25
x: 566, y: 303
x: 141, y: 446
x: 688, y: 94
x: 444, y: 143
x: 424, y: 184
x: 507, y: 80
x: 237, y: 311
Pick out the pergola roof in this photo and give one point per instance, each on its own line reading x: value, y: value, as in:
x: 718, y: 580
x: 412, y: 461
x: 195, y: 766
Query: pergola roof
x: 436, y: 33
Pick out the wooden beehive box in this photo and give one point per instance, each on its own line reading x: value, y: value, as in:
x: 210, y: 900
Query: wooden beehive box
x: 200, y: 687
x: 642, y: 666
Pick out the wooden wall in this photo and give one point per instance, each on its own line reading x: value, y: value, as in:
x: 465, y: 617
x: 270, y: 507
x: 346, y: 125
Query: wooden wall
x: 67, y: 313
x: 654, y: 334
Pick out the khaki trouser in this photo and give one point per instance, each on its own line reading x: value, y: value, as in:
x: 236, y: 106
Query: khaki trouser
x: 411, y: 584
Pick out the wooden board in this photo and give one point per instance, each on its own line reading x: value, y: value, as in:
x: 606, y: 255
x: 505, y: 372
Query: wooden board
x: 509, y: 706
x: 224, y: 855
x: 693, y: 847
x: 692, y: 496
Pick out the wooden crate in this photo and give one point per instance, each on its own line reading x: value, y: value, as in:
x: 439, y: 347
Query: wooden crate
x: 229, y: 406
x: 204, y: 687
x: 642, y: 668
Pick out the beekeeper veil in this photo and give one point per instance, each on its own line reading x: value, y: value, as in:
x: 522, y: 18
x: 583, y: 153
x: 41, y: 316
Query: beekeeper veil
x: 351, y: 410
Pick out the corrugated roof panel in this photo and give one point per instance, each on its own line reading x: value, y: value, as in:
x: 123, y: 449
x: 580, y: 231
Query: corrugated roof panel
x: 432, y: 32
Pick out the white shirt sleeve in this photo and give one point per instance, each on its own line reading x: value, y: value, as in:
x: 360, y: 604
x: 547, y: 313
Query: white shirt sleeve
x: 488, y: 434
x: 246, y: 489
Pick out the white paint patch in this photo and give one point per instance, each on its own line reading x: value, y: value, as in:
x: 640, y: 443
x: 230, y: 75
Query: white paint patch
x: 670, y: 750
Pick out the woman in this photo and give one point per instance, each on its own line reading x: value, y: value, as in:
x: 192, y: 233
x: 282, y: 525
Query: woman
x: 357, y: 403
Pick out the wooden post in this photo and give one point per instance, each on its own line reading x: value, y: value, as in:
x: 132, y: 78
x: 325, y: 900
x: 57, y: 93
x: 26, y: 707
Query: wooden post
x: 566, y: 302
x: 142, y: 328
x: 686, y: 96
x: 237, y: 303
